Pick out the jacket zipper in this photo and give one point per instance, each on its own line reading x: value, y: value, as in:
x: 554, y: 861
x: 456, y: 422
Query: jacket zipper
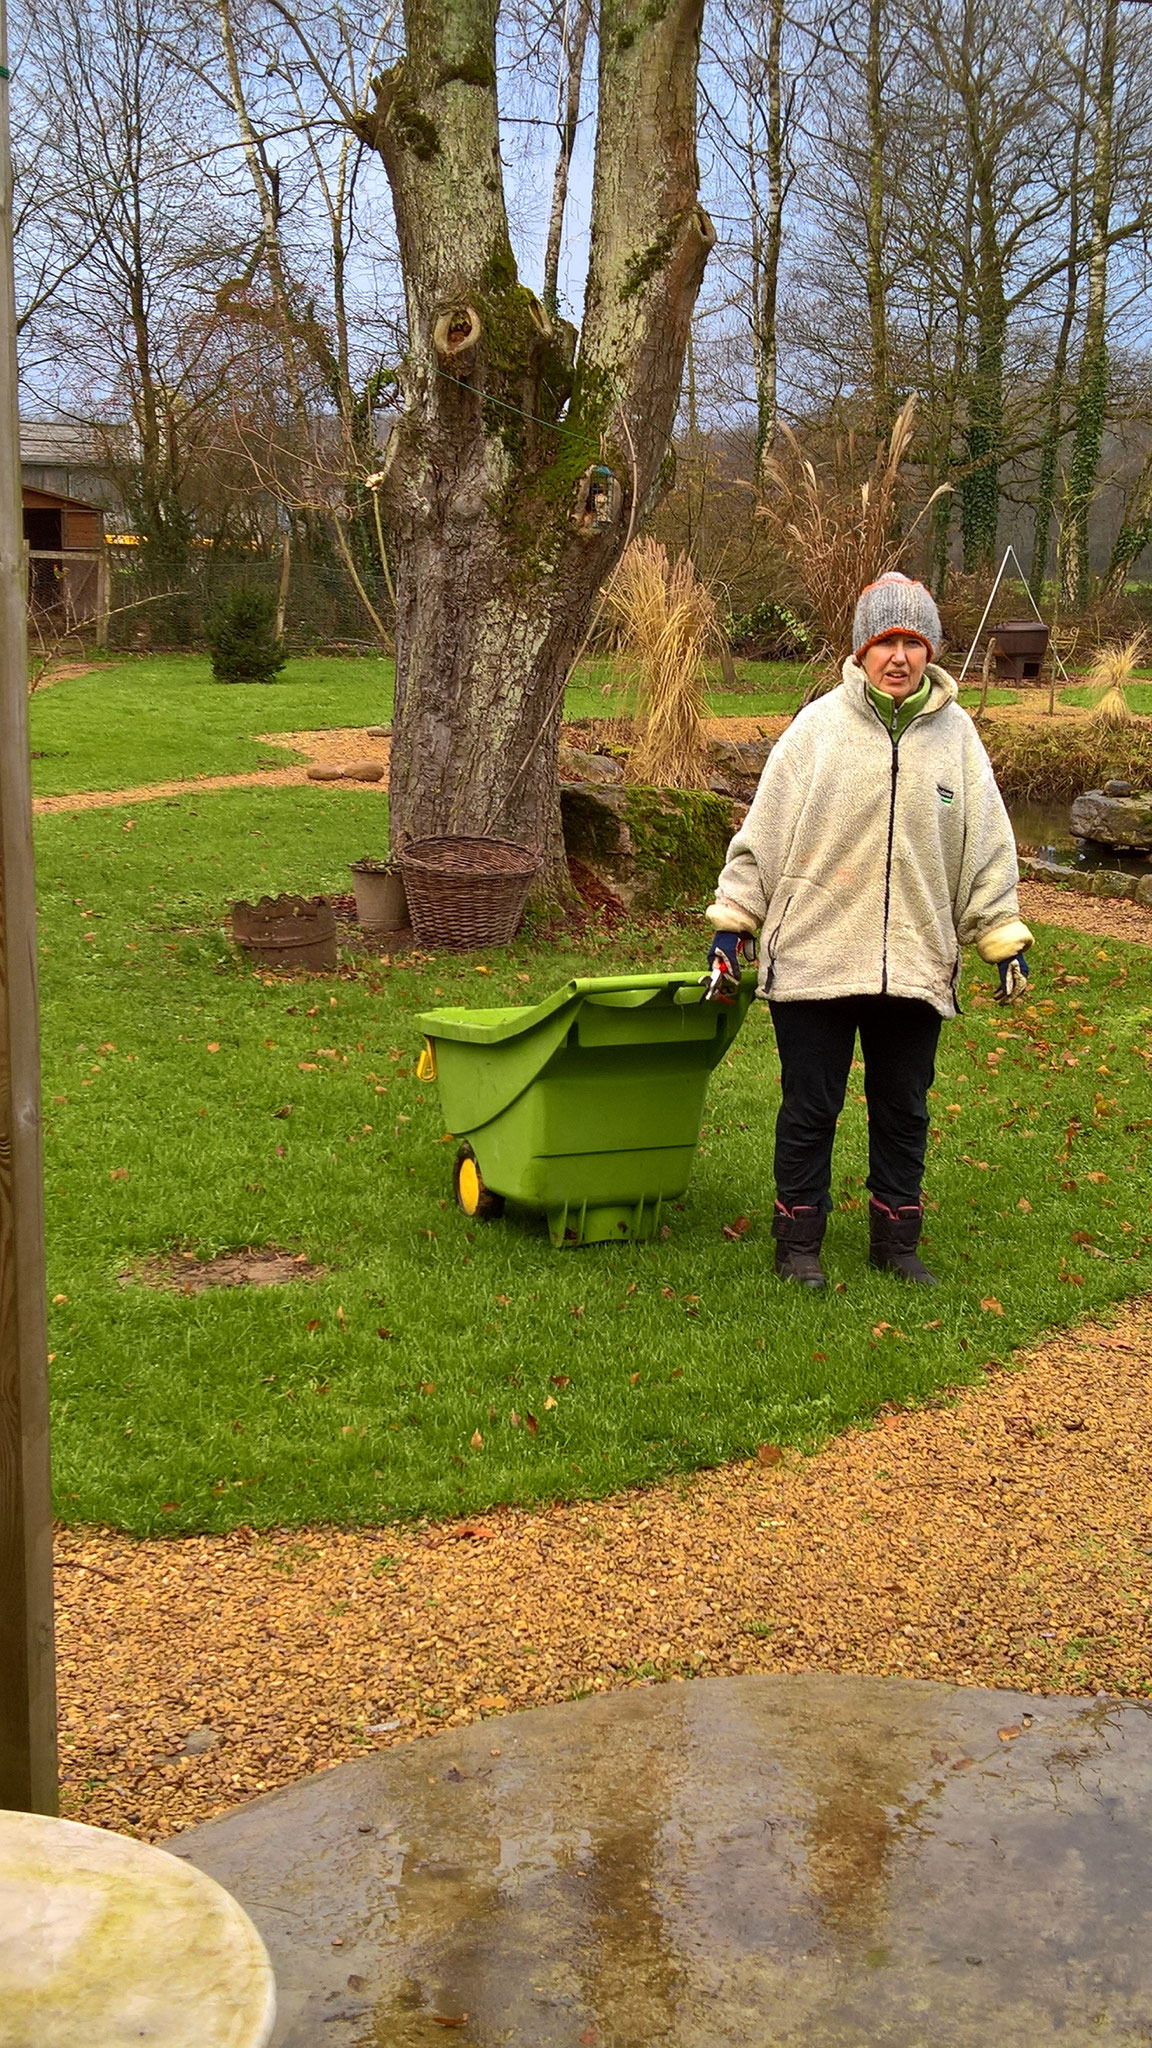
x: 892, y: 735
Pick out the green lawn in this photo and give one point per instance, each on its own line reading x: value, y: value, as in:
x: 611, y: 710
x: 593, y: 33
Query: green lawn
x: 162, y: 718
x: 1139, y: 696
x: 192, y: 1104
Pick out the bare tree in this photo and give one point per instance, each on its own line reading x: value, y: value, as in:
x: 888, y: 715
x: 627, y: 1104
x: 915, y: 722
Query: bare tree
x: 133, y: 323
x: 573, y: 43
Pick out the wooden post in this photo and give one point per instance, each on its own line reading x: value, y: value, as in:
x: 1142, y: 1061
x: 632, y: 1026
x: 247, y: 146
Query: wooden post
x: 103, y: 598
x: 27, y: 1672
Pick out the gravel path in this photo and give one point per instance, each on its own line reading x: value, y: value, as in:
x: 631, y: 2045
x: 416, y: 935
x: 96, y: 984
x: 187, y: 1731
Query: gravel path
x: 1048, y: 903
x: 1005, y: 1540
x: 332, y: 749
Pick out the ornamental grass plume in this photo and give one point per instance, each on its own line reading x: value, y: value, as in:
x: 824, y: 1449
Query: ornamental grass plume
x: 1110, y: 673
x: 839, y: 531
x: 667, y: 617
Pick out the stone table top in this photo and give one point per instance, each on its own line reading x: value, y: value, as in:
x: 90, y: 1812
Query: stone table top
x: 105, y: 1942
x: 777, y: 1862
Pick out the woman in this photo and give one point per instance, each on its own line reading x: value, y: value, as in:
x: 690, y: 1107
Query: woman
x: 876, y: 846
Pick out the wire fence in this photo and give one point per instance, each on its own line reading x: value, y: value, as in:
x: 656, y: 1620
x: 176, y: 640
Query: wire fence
x: 155, y: 608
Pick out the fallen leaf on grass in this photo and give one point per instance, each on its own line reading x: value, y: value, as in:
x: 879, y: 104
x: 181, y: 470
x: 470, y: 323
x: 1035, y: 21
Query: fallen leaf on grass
x: 1024, y: 1206
x: 559, y: 1379
x: 769, y: 1454
x: 212, y: 1045
x: 476, y: 1440
x: 426, y: 1386
x: 549, y: 1403
x: 531, y: 1424
x: 991, y: 1306
x: 285, y: 1111
x: 735, y: 1231
x: 118, y: 1173
x: 382, y: 1332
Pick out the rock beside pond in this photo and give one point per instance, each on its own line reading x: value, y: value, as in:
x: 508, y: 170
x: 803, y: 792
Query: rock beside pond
x: 1113, y: 820
x: 653, y: 848
x: 578, y: 766
x: 1110, y: 882
x: 738, y: 764
x: 1107, y: 882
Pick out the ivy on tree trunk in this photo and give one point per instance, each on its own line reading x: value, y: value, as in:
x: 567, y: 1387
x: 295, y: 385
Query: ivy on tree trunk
x: 507, y: 409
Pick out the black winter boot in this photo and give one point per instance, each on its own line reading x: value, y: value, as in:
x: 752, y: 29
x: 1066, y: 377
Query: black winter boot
x: 799, y: 1234
x: 894, y: 1235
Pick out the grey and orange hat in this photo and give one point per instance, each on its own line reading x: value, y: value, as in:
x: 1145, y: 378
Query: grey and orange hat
x: 895, y: 604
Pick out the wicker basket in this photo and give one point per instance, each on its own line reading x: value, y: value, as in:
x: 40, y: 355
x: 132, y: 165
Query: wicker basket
x: 465, y: 893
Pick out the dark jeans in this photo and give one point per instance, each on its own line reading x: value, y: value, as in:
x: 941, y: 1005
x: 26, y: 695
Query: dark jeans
x: 816, y: 1042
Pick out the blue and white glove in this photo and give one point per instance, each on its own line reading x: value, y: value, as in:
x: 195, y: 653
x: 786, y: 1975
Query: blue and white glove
x: 728, y: 955
x: 1013, y: 978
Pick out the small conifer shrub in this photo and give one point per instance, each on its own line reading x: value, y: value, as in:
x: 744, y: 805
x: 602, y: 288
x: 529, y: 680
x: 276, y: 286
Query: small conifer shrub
x: 241, y: 633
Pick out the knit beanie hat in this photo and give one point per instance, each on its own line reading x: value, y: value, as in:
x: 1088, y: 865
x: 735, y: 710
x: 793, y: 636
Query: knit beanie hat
x: 895, y: 604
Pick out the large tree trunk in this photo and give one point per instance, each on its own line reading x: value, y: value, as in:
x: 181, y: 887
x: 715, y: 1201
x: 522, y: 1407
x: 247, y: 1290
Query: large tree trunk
x: 504, y: 418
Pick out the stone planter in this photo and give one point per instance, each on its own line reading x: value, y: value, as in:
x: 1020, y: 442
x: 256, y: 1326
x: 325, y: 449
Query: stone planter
x: 286, y: 932
x: 381, y: 904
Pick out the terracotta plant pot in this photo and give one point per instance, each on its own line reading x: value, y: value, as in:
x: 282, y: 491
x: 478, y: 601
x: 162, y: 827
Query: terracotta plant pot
x: 381, y: 904
x: 284, y: 932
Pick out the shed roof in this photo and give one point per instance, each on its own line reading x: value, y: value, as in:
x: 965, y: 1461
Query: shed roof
x: 34, y: 498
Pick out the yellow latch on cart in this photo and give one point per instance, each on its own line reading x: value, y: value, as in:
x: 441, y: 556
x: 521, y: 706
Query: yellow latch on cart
x: 426, y: 1064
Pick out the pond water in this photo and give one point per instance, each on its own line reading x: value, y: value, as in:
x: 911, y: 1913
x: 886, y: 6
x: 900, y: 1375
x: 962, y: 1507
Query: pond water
x: 1043, y: 828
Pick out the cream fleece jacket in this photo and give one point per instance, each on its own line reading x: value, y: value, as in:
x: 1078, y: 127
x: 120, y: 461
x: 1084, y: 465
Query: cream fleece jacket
x: 866, y: 862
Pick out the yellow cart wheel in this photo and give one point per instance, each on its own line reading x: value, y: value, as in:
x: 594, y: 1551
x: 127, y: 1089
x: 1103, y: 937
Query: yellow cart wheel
x: 474, y: 1198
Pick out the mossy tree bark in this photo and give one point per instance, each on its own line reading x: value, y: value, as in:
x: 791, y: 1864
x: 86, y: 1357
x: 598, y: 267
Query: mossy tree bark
x: 506, y: 408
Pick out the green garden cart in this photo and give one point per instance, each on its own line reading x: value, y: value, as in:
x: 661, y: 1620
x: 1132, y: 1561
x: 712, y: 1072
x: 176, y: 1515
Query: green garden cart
x: 586, y: 1107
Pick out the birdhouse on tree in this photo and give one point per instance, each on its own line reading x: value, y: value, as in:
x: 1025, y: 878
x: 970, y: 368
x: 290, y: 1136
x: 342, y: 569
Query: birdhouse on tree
x: 598, y: 500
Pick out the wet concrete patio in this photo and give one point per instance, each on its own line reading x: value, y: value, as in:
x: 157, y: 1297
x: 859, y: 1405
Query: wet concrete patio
x: 833, y: 1862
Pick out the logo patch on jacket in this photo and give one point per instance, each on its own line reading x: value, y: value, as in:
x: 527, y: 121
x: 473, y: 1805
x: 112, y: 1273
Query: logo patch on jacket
x: 945, y: 795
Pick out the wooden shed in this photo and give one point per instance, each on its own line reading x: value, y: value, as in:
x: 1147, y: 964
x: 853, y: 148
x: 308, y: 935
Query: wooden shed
x: 67, y: 563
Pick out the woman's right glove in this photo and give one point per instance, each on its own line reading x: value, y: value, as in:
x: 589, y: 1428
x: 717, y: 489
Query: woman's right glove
x: 1013, y: 978
x: 728, y: 955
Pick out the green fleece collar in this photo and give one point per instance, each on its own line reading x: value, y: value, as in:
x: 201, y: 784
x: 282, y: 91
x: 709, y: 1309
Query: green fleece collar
x: 905, y: 712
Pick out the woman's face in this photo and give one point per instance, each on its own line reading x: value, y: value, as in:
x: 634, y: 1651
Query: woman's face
x: 895, y: 665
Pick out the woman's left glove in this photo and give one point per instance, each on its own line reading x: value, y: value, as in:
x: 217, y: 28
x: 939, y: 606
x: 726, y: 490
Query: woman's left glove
x: 728, y: 955
x: 1013, y: 978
